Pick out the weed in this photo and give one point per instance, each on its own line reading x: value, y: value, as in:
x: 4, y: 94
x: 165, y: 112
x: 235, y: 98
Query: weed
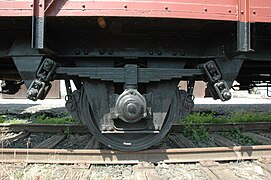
x: 67, y: 131
x: 38, y: 119
x: 53, y: 120
x: 201, y: 117
x: 196, y: 134
x: 236, y: 135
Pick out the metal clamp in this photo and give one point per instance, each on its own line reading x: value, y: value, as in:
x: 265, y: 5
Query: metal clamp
x: 212, y: 71
x: 40, y: 87
x: 216, y: 85
x: 46, y: 70
x: 35, y: 90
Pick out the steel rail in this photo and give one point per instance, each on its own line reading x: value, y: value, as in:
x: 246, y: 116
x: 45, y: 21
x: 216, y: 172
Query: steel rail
x: 78, y: 128
x: 62, y: 156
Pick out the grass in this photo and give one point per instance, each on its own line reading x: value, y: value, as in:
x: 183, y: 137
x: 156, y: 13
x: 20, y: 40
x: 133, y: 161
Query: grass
x: 5, y: 119
x: 193, y: 118
x: 201, y: 117
x: 37, y: 119
x: 43, y: 119
x: 196, y: 134
x: 237, y: 136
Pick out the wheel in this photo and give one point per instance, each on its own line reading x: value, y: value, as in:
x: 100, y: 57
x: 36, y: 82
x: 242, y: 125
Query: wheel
x: 96, y: 110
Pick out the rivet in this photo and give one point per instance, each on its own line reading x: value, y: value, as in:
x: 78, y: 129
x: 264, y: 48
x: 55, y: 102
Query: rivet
x: 77, y: 52
x: 110, y: 52
x: 166, y: 8
x: 174, y: 53
x: 40, y: 5
x: 150, y: 52
x: 125, y: 6
x: 86, y: 52
x: 31, y: 4
x: 229, y: 10
x: 101, y: 52
x: 205, y: 9
x: 242, y: 12
x: 159, y: 53
x: 254, y: 12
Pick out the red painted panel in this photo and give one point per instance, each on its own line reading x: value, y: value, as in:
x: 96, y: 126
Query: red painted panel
x: 232, y: 10
x: 260, y: 11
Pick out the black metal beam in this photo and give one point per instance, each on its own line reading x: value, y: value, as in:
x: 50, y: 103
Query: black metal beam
x: 38, y: 24
x: 243, y: 37
x: 145, y: 75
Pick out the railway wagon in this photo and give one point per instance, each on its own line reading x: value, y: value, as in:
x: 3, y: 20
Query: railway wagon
x: 127, y: 57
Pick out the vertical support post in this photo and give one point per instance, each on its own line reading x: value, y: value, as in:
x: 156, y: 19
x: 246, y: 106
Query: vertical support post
x: 243, y: 26
x: 38, y: 24
x: 130, y: 73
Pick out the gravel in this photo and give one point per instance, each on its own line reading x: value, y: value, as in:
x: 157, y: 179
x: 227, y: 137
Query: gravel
x: 248, y: 170
x: 245, y: 170
x: 180, y: 171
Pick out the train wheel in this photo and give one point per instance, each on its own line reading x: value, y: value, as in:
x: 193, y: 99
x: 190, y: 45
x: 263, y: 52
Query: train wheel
x: 96, y: 111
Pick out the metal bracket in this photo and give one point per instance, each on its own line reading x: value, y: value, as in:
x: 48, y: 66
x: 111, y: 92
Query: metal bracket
x: 130, y: 76
x: 46, y: 70
x: 38, y: 24
x: 216, y: 85
x: 243, y: 27
x: 40, y: 87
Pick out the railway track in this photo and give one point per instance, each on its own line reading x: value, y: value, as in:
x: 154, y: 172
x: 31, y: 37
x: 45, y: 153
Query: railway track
x: 29, y: 139
x: 209, y: 160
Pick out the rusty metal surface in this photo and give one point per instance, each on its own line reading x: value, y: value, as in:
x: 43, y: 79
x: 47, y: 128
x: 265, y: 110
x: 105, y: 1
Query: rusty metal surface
x: 250, y: 10
x: 117, y: 157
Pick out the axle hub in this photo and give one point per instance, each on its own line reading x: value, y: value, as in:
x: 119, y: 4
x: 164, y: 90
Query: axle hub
x: 131, y: 106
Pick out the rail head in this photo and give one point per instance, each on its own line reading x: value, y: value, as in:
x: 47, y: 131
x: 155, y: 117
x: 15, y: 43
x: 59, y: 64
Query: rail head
x: 186, y: 155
